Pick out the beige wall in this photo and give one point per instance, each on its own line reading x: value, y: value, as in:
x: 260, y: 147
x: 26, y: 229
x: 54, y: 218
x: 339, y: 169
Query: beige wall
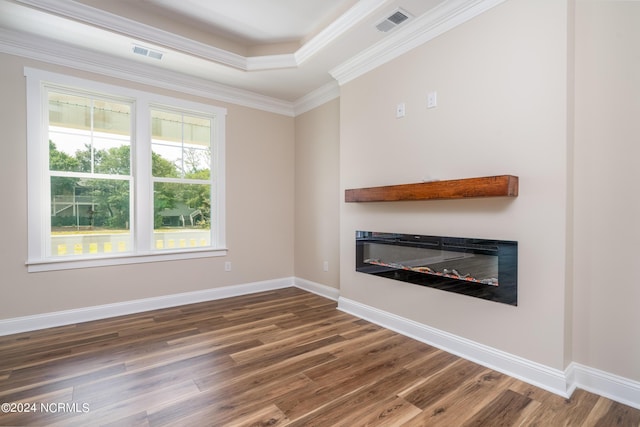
x: 260, y: 214
x: 607, y: 174
x: 501, y: 80
x: 317, y: 183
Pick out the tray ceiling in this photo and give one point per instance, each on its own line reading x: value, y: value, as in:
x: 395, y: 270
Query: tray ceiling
x: 281, y: 49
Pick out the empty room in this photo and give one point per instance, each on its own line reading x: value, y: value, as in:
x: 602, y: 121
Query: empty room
x: 319, y: 212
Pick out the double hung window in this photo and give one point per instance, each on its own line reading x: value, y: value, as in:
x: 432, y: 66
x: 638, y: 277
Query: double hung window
x: 120, y: 176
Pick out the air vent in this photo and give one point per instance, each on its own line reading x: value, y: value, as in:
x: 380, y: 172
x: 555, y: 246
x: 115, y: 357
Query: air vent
x: 393, y: 20
x: 139, y: 50
x: 155, y: 55
x: 398, y: 17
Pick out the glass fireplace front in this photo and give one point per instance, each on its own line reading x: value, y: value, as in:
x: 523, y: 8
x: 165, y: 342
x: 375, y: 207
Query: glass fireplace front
x: 481, y: 268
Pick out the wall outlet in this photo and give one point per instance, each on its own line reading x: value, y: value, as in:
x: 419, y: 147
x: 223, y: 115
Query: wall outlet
x: 325, y: 266
x: 227, y: 266
x: 432, y: 99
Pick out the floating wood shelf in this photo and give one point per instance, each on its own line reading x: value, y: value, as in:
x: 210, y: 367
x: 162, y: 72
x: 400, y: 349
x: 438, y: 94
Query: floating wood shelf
x: 489, y: 186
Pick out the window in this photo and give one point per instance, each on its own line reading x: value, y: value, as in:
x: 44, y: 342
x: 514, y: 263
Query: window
x: 181, y: 169
x: 120, y: 176
x: 89, y: 152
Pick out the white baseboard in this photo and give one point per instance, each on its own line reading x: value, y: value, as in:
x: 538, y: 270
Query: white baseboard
x: 68, y: 317
x: 317, y: 288
x: 605, y: 384
x: 563, y: 383
x: 86, y: 314
x: 534, y: 373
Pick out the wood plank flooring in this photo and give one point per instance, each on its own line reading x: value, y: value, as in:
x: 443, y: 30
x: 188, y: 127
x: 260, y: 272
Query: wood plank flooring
x: 279, y: 358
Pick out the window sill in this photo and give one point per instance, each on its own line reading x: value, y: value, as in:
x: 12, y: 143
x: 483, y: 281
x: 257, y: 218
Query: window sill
x: 34, y: 266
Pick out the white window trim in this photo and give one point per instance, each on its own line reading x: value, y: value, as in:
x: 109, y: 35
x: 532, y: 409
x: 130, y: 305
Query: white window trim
x: 37, y: 160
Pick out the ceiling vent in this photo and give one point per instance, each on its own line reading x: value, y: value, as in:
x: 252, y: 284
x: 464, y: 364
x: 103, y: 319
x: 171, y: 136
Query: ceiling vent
x: 393, y: 20
x: 139, y: 50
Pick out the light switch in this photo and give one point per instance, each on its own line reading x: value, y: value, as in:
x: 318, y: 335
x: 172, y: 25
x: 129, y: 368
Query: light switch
x: 400, y: 110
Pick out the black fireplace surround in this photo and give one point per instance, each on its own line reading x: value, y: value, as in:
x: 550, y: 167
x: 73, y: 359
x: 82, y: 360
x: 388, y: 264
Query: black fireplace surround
x: 480, y: 268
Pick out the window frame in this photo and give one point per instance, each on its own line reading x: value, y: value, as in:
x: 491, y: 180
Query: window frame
x: 38, y: 213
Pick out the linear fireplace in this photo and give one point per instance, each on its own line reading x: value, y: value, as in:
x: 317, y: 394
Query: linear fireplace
x: 480, y: 268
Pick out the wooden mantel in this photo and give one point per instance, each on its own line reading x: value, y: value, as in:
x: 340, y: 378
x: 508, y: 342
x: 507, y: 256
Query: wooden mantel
x: 489, y: 186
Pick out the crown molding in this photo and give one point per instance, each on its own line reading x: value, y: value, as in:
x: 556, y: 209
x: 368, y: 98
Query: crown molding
x: 441, y: 19
x: 121, y: 25
x: 45, y: 50
x: 316, y: 98
x: 344, y: 23
x: 115, y: 23
x: 270, y: 62
x: 444, y: 17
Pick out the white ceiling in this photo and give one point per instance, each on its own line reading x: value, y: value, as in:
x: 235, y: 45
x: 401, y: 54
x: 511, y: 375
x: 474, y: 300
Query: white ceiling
x: 282, y: 49
x: 254, y: 22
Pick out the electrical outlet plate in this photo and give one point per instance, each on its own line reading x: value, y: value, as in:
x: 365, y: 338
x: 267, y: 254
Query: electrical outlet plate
x: 432, y: 99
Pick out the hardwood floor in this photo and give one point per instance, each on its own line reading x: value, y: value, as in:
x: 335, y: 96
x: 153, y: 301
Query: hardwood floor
x: 285, y: 357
